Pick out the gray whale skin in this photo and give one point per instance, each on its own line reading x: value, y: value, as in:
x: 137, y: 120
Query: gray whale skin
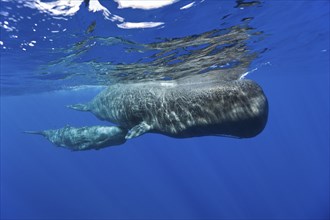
x: 176, y: 108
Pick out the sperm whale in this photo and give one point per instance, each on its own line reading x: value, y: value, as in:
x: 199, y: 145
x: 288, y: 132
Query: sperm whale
x: 180, y: 108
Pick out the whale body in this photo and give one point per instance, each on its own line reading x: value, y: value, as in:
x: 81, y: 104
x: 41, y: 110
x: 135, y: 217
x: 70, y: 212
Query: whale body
x: 236, y: 108
x: 179, y: 108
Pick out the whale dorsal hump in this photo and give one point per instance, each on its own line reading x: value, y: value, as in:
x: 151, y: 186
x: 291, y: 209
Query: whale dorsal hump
x: 138, y: 130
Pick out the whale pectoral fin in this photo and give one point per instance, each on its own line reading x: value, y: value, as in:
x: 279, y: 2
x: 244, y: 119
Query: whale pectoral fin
x: 138, y: 130
x: 79, y: 107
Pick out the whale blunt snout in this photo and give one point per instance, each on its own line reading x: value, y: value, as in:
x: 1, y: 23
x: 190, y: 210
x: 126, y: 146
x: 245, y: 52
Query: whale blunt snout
x: 250, y: 108
x: 256, y: 123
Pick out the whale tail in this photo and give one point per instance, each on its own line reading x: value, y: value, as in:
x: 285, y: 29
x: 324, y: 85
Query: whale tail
x: 35, y: 132
x: 79, y: 107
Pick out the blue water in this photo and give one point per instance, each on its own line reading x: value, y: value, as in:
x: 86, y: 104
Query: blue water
x: 283, y: 173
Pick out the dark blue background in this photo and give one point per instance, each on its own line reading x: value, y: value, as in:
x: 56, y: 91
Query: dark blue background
x: 282, y: 173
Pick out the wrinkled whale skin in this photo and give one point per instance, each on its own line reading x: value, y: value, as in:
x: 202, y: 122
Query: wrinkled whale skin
x: 182, y: 109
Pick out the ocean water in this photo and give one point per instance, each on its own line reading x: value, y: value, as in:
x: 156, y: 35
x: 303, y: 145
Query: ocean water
x: 56, y: 53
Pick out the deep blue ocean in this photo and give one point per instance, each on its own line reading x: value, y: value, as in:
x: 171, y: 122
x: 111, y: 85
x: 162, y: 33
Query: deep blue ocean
x: 56, y: 53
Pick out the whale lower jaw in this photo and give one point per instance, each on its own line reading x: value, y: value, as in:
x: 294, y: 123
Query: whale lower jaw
x: 240, y: 129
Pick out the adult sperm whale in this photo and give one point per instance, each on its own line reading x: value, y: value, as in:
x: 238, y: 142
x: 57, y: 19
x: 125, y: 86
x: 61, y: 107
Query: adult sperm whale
x: 178, y: 108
